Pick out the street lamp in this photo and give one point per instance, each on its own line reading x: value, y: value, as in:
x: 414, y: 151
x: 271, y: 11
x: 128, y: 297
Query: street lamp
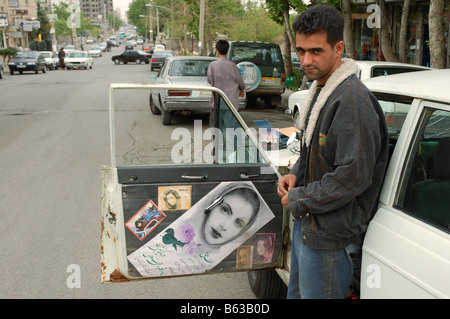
x: 157, y: 18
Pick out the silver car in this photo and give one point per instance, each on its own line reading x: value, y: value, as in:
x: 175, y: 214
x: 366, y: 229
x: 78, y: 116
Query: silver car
x: 188, y: 70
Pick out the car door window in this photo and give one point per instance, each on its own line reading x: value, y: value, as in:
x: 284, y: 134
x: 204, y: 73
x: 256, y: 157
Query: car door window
x: 176, y: 211
x: 425, y: 186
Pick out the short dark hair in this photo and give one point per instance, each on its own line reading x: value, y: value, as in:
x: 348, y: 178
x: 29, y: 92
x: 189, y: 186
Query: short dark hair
x: 321, y: 18
x: 222, y: 46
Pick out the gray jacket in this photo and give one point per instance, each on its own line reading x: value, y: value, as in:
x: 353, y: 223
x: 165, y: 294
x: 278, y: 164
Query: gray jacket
x: 337, y: 194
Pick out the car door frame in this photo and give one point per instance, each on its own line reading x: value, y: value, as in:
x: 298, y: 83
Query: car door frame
x: 114, y: 264
x: 398, y: 245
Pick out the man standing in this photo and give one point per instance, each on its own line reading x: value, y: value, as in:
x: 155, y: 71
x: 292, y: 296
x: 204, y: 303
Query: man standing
x: 61, y: 56
x: 225, y: 75
x: 332, y: 190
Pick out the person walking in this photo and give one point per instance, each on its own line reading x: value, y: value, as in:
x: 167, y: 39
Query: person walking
x: 225, y: 75
x: 61, y: 56
x: 332, y: 191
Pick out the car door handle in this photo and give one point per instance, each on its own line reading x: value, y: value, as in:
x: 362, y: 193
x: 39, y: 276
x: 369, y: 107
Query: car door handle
x: 246, y: 176
x: 194, y: 176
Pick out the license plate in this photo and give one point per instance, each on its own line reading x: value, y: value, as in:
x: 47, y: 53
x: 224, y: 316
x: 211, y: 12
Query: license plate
x: 268, y: 80
x: 204, y: 93
x: 21, y: 66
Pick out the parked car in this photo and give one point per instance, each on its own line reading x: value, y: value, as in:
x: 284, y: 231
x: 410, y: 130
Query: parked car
x: 159, y: 47
x: 95, y: 51
x: 262, y: 67
x: 27, y: 61
x: 51, y: 59
x: 181, y: 70
x: 79, y: 60
x: 69, y: 48
x: 137, y: 56
x: 366, y: 70
x: 295, y: 61
x: 159, y: 57
x: 148, y: 47
x: 103, y: 46
x: 90, y: 40
x: 406, y: 249
x: 1, y: 68
x: 140, y: 40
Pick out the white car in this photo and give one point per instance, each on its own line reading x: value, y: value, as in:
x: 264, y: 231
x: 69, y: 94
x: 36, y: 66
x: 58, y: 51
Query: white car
x: 51, y: 59
x: 366, y: 70
x: 69, y: 48
x: 79, y: 60
x: 95, y: 51
x: 406, y: 250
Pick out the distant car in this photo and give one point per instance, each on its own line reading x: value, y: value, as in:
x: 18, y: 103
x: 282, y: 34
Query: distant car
x: 95, y: 51
x: 159, y: 57
x: 103, y: 46
x: 159, y: 47
x: 51, y: 59
x: 1, y: 69
x: 147, y: 47
x: 90, y: 40
x: 129, y: 45
x: 295, y: 61
x: 27, y: 61
x: 366, y: 70
x: 140, y: 41
x: 137, y: 56
x: 181, y: 70
x: 79, y: 60
x: 69, y: 48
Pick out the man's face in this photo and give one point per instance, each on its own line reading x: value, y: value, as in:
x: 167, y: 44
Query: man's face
x: 318, y: 59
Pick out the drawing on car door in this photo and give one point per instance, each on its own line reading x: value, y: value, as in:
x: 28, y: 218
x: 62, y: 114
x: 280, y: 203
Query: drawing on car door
x: 185, y: 199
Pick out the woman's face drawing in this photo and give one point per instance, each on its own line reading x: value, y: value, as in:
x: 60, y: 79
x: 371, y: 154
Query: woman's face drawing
x: 228, y: 219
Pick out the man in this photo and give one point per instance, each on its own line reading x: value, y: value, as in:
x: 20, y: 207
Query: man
x: 332, y: 190
x: 61, y: 56
x: 225, y: 75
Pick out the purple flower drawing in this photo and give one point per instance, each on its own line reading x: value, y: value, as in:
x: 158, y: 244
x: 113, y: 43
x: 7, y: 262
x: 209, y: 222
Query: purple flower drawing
x: 185, y: 233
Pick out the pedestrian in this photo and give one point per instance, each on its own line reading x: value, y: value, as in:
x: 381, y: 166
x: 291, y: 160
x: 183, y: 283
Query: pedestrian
x: 332, y: 191
x: 225, y: 75
x: 61, y: 56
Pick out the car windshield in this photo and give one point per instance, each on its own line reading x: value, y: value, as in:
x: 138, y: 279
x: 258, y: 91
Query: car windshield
x: 95, y: 48
x: 46, y: 54
x: 77, y: 55
x: 25, y: 55
x: 263, y: 55
x: 69, y: 47
x: 189, y: 68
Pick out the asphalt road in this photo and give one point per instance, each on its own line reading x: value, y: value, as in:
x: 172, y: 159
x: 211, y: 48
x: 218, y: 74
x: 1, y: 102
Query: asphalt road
x: 54, y: 141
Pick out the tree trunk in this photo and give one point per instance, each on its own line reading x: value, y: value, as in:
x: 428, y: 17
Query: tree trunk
x: 348, y: 34
x: 287, y: 35
x: 419, y: 36
x: 386, y: 29
x: 437, y: 41
x: 404, y: 31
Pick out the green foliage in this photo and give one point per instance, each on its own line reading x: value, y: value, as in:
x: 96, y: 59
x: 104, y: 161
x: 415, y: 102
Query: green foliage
x: 8, y: 52
x: 297, y: 81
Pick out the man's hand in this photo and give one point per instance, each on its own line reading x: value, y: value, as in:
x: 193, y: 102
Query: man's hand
x: 285, y: 183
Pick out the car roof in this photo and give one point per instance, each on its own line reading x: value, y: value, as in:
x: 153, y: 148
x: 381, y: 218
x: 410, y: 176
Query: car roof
x: 370, y: 64
x: 430, y: 85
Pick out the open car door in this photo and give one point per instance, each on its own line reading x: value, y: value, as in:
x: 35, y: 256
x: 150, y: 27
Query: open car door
x: 206, y: 203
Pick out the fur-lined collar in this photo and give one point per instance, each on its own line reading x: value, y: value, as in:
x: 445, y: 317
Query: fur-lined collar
x: 347, y: 68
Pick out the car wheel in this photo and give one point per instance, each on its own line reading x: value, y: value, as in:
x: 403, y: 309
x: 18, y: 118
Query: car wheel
x: 265, y: 283
x: 44, y: 70
x: 36, y: 69
x: 11, y: 71
x: 138, y: 61
x: 153, y: 107
x: 117, y: 61
x: 1, y: 74
x: 166, y: 116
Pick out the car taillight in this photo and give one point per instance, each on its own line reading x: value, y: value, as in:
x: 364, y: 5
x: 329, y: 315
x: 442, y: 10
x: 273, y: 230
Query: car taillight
x: 154, y: 60
x: 283, y: 78
x: 179, y: 93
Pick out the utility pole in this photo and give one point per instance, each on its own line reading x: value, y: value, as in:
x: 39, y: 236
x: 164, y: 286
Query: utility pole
x: 201, y: 27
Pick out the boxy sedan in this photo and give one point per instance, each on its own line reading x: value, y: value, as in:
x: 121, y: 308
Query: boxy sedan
x: 159, y: 57
x: 51, y: 59
x: 27, y: 61
x: 137, y: 56
x: 79, y: 60
x: 181, y: 70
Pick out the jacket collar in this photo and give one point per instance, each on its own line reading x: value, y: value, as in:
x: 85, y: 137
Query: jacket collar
x: 347, y: 68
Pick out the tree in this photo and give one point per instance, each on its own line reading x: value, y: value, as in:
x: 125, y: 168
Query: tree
x: 437, y: 40
x: 403, y: 31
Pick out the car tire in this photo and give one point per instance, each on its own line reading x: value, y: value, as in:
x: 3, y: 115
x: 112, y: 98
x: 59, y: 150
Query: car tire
x: 265, y: 283
x: 138, y: 61
x: 44, y: 70
x: 166, y: 116
x: 11, y: 72
x: 1, y: 74
x: 296, y: 119
x: 117, y: 61
x: 153, y: 108
x: 36, y: 69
